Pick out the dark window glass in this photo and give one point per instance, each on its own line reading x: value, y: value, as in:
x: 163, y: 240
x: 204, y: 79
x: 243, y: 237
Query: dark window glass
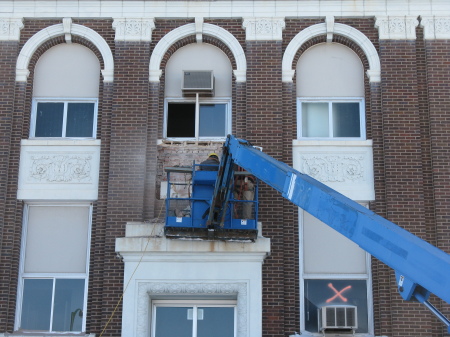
x: 212, y: 120
x: 217, y: 322
x: 80, y: 119
x: 323, y: 293
x: 68, y: 306
x: 36, y: 304
x: 173, y: 321
x: 49, y: 120
x: 181, y: 120
x: 346, y: 122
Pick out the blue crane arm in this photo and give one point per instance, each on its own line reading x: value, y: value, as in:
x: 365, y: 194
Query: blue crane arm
x: 420, y: 267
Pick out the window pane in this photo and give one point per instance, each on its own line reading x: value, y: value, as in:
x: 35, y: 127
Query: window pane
x: 36, y: 304
x: 68, y: 306
x: 49, y: 120
x: 212, y: 120
x: 315, y: 121
x: 173, y: 321
x: 346, y: 121
x: 181, y: 120
x: 217, y: 322
x: 80, y: 119
x: 321, y: 293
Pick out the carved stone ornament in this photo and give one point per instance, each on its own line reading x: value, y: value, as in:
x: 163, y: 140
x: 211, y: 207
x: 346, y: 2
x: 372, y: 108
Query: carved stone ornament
x: 60, y: 168
x: 10, y: 29
x: 147, y: 290
x: 334, y: 168
x: 268, y: 29
x: 133, y: 29
x: 435, y: 27
x: 396, y: 27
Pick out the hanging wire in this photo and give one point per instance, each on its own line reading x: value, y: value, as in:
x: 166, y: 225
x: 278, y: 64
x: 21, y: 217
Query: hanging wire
x: 131, y: 277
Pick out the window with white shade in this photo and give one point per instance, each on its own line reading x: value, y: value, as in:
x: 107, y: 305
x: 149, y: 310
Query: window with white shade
x: 337, y: 119
x: 330, y: 91
x: 194, y: 318
x: 65, y: 93
x: 54, y: 268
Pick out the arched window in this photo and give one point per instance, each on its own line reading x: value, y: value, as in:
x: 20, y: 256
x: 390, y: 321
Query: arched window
x: 330, y: 91
x: 65, y: 93
x: 202, y: 111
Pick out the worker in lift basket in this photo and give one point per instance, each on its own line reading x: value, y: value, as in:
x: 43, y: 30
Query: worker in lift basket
x: 244, y: 189
x: 210, y: 164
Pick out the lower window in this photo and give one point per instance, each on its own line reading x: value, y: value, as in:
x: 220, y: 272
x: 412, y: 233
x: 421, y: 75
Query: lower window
x: 54, y: 268
x: 202, y: 319
x: 345, y: 299
x: 53, y: 304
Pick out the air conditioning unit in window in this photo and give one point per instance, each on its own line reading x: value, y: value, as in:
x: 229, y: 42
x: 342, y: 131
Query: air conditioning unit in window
x: 338, y: 320
x: 198, y: 81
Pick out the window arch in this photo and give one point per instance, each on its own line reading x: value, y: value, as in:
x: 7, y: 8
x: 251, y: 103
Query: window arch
x: 65, y: 93
x: 330, y: 91
x: 198, y: 115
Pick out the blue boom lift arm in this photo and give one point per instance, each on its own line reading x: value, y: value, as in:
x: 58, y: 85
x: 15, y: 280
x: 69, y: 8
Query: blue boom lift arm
x: 420, y: 268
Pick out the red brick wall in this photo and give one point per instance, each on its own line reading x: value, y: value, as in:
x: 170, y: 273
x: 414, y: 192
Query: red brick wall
x: 438, y: 101
x: 407, y: 119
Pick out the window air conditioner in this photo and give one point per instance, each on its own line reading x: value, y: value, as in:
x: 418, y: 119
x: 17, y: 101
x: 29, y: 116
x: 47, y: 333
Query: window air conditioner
x: 201, y: 81
x: 338, y: 318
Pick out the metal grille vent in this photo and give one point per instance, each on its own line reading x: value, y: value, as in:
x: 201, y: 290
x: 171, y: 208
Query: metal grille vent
x: 198, y: 81
x: 338, y: 317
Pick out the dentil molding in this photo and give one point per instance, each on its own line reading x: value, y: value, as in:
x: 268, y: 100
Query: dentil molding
x: 268, y: 29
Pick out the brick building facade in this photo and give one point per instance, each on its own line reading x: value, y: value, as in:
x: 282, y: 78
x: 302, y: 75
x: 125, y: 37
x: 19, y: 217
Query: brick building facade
x: 277, y: 65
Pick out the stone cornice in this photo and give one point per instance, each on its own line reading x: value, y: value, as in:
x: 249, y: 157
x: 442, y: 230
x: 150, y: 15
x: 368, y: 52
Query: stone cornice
x: 220, y: 9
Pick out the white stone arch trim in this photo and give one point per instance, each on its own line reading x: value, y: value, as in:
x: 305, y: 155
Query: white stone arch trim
x: 149, y: 290
x: 190, y: 29
x: 48, y: 33
x: 374, y: 71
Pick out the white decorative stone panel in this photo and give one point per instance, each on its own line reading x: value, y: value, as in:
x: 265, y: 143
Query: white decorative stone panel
x: 269, y: 29
x: 334, y: 168
x: 396, y: 27
x: 10, y: 29
x: 344, y: 166
x: 435, y: 27
x: 59, y: 170
x: 134, y: 29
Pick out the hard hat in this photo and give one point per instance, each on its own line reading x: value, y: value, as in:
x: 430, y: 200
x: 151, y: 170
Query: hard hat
x: 213, y: 154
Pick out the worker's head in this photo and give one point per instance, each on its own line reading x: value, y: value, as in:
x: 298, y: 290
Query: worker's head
x: 214, y: 155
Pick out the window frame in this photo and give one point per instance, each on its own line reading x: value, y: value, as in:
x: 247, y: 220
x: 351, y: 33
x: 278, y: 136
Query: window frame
x: 198, y: 101
x: 66, y: 101
x: 330, y: 101
x: 367, y: 276
x: 53, y: 276
x: 194, y: 304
